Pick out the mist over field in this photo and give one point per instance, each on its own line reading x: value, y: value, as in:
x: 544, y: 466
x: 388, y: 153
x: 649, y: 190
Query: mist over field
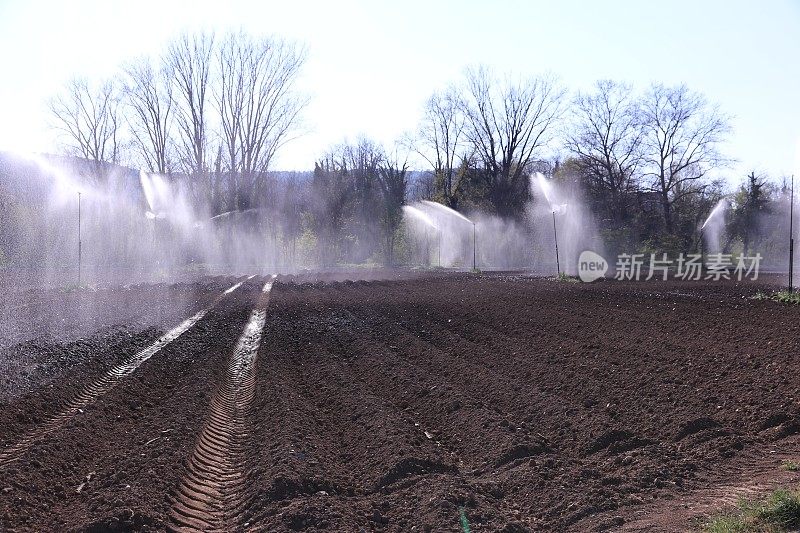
x: 173, y: 159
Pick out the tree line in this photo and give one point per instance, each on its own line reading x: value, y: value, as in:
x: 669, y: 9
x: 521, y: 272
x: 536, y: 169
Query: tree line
x: 216, y: 109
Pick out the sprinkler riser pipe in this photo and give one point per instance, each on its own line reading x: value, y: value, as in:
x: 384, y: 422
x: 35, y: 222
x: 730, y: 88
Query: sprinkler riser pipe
x: 555, y: 235
x: 474, y: 248
x: 79, y: 240
x: 702, y: 252
x: 791, y: 265
x: 791, y: 238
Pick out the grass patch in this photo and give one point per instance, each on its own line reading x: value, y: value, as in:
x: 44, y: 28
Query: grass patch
x: 73, y: 287
x: 779, y: 513
x: 566, y: 278
x: 786, y: 297
x: 790, y: 466
x: 462, y: 514
x: 783, y: 296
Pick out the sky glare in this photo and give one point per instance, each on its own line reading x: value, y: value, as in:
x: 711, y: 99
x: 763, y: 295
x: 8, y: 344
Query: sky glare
x: 371, y: 65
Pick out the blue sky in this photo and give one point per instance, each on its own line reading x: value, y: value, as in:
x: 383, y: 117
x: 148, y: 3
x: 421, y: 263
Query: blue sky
x: 372, y: 64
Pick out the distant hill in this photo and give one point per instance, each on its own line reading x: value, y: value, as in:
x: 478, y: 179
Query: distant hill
x: 30, y: 179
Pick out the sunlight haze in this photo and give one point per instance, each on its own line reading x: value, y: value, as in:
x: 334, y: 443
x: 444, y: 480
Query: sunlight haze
x: 371, y: 65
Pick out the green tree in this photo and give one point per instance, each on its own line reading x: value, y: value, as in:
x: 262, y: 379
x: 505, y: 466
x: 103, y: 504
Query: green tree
x: 752, y: 201
x: 394, y: 184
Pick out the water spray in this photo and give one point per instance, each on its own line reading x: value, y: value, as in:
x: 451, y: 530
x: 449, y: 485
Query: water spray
x: 436, y: 206
x: 429, y: 223
x: 547, y: 189
x: 442, y: 210
x: 719, y: 209
x: 427, y: 247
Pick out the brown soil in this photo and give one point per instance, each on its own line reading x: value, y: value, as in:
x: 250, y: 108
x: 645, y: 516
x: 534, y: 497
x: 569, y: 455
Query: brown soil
x: 402, y: 405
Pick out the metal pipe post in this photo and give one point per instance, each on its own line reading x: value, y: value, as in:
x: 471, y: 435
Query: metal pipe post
x: 79, y: 239
x: 555, y: 234
x: 474, y: 248
x: 791, y: 238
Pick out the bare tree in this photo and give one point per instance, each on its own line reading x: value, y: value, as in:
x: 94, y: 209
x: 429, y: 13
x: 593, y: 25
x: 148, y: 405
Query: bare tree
x: 606, y: 139
x: 258, y: 106
x: 190, y: 59
x: 89, y: 119
x: 149, y: 96
x: 507, y: 124
x: 423, y: 187
x: 441, y: 138
x: 682, y: 133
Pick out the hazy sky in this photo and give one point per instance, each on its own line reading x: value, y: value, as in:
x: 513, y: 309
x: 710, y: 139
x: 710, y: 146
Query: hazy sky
x: 371, y: 65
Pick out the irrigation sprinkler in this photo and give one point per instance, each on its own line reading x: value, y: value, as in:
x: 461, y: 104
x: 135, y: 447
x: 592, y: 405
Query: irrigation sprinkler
x: 442, y: 209
x: 555, y: 234
x: 719, y: 210
x: 791, y: 238
x: 79, y: 239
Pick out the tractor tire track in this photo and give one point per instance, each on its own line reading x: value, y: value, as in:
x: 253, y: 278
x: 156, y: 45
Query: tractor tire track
x: 212, y: 495
x: 102, y: 385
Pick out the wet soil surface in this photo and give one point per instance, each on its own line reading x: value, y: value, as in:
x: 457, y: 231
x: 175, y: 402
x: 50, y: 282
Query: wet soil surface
x: 501, y: 401
x: 52, y: 335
